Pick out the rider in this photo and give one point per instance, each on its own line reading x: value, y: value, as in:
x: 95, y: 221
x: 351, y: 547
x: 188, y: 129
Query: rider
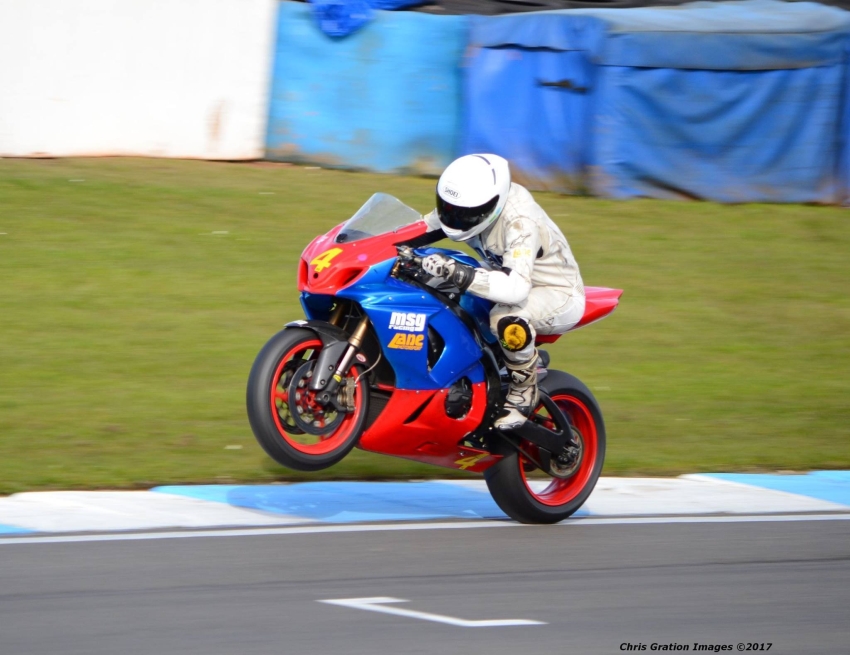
x: 530, y: 272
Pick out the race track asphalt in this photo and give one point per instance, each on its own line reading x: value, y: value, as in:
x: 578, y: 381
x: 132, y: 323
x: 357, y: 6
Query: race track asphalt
x: 596, y: 588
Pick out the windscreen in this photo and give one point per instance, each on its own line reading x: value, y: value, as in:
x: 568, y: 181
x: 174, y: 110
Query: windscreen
x: 381, y: 213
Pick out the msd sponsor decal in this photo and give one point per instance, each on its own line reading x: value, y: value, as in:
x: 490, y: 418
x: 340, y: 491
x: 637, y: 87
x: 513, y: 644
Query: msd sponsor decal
x: 407, y: 322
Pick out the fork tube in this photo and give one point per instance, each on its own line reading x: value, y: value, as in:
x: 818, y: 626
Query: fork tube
x: 336, y: 315
x: 353, y: 346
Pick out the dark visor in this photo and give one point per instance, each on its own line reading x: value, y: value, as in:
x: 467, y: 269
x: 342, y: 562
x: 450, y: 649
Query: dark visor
x: 464, y: 218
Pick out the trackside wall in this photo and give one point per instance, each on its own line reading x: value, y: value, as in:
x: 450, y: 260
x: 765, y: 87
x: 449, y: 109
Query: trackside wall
x: 161, y: 78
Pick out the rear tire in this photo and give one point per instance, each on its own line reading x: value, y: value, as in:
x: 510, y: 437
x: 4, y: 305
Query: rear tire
x: 532, y: 500
x: 269, y: 410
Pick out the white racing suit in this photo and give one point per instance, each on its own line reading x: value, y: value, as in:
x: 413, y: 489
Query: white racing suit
x: 532, y: 277
x: 530, y: 270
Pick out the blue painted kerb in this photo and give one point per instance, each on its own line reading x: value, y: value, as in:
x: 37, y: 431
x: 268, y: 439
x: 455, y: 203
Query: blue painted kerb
x: 11, y: 529
x: 832, y: 486
x: 347, y: 502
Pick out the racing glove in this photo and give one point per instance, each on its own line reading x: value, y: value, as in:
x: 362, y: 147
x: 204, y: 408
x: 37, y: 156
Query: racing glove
x: 449, y: 269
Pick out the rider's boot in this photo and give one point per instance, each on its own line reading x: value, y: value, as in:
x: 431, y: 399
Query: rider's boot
x: 523, y: 394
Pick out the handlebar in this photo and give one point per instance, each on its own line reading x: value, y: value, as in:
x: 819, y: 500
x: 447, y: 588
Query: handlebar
x: 407, y: 263
x: 407, y: 256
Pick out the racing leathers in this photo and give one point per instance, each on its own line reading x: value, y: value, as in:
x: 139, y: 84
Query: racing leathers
x: 531, y: 274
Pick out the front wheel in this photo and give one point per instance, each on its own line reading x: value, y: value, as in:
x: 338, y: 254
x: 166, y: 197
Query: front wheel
x: 320, y: 436
x: 529, y: 498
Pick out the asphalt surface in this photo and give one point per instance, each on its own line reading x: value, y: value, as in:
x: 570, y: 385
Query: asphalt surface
x: 596, y: 588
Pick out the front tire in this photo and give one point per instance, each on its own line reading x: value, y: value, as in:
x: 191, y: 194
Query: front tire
x: 270, y: 412
x: 534, y: 500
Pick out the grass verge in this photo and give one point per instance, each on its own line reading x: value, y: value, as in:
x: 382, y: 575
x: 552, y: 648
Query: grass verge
x: 134, y: 295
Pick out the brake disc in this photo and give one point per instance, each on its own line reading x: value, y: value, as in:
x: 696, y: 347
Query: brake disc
x: 307, y: 413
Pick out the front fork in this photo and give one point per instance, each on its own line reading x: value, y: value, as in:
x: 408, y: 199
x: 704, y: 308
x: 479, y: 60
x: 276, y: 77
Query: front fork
x: 335, y: 360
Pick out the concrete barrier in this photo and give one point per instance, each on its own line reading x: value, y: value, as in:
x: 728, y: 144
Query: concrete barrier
x: 159, y: 78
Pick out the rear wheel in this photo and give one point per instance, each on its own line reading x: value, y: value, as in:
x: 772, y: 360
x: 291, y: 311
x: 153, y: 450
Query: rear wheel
x: 294, y: 429
x: 528, y: 495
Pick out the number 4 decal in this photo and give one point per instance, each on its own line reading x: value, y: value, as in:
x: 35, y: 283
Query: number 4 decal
x: 324, y: 260
x: 469, y: 462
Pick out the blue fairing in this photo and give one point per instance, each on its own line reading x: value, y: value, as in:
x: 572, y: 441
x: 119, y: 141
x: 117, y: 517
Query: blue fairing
x: 401, y: 315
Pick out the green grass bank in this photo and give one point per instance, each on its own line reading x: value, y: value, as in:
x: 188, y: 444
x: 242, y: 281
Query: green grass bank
x: 134, y: 295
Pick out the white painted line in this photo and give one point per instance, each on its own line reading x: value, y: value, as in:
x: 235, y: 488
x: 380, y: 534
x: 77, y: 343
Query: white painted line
x: 402, y: 527
x: 737, y: 518
x: 376, y: 604
x: 253, y: 532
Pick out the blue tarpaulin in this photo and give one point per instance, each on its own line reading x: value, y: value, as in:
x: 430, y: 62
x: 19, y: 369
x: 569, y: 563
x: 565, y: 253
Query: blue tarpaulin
x: 748, y: 35
x: 343, y: 17
x: 527, y: 89
x: 729, y: 136
x: 734, y: 101
x: 386, y: 98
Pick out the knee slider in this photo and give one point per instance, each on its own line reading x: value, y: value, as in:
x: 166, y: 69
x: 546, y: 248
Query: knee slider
x: 515, y: 333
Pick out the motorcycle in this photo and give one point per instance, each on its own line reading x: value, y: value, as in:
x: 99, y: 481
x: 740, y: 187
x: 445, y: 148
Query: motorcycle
x: 393, y: 361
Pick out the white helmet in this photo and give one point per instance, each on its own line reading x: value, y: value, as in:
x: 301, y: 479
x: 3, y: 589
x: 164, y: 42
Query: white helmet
x: 471, y: 194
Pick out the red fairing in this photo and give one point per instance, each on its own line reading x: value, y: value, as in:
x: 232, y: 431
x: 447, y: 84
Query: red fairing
x: 599, y: 302
x: 327, y: 266
x: 414, y: 425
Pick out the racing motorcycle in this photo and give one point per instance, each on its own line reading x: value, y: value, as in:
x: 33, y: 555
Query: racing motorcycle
x: 393, y: 361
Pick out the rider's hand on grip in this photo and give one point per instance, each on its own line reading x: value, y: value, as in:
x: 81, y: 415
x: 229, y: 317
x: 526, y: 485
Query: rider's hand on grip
x: 450, y: 269
x: 439, y: 266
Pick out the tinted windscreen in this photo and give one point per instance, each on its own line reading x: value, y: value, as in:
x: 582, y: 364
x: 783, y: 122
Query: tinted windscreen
x: 381, y: 213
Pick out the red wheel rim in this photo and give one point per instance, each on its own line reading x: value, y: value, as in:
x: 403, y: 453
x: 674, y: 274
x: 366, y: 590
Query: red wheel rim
x: 561, y: 491
x: 308, y: 444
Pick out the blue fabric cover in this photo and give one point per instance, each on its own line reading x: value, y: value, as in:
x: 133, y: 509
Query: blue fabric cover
x: 390, y: 5
x: 748, y: 35
x: 386, y: 98
x: 553, y: 30
x: 737, y: 101
x: 843, y: 144
x: 532, y: 107
x: 340, y: 18
x: 727, y: 136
